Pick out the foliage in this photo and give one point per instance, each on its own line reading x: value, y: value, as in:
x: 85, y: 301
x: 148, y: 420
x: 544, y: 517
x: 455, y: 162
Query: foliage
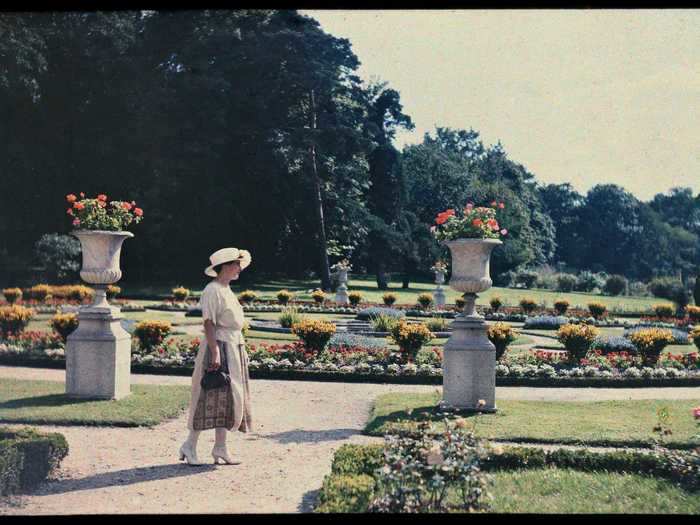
x: 410, y: 337
x: 355, y: 298
x: 40, y: 292
x: 151, y: 333
x: 14, y: 319
x: 528, y: 305
x: 473, y: 223
x: 180, y: 293
x: 460, y: 302
x: 247, y: 296
x: 289, y: 316
x: 679, y: 337
x: 650, y: 342
x: 545, y: 322
x: 597, y: 309
x: 437, y: 324
x: 615, y: 285
x: 577, y: 339
x: 64, y: 324
x: 12, y: 295
x: 561, y: 306
x: 663, y: 310
x: 102, y: 214
x: 284, y: 296
x: 425, y: 299
x: 495, y: 303
x: 526, y: 278
x: 58, y: 255
x: 501, y: 335
x: 318, y: 296
x: 383, y: 322
x: 345, y: 494
x: 374, y: 311
x: 314, y: 333
x: 671, y: 289
x: 588, y: 281
x: 112, y: 291
x: 389, y: 298
x: 566, y: 282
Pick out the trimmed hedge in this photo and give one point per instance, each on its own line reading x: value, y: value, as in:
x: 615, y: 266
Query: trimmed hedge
x: 345, y: 493
x: 27, y: 457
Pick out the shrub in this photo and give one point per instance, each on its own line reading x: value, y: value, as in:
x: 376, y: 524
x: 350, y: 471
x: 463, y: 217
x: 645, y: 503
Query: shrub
x: 693, y: 313
x: 613, y: 343
x: 561, y: 306
x: 383, y: 322
x: 247, y: 296
x: 437, y: 324
x: 615, y: 285
x: 650, y: 342
x: 12, y: 295
x: 460, y: 302
x: 180, y: 293
x: 662, y: 286
x: 289, y: 316
x: 425, y: 299
x: 58, y: 255
x: 695, y: 336
x: 638, y: 288
x: 528, y: 305
x: 496, y: 303
x: 357, y: 459
x: 355, y: 298
x: 389, y: 299
x: 314, y: 333
x: 501, y: 335
x: 410, y: 338
x: 79, y: 293
x: 696, y: 290
x: 112, y: 291
x: 566, y: 282
x: 318, y: 296
x: 64, y: 324
x: 14, y: 319
x: 39, y: 292
x: 345, y: 494
x: 151, y: 333
x: 368, y: 313
x: 577, y: 339
x: 284, y: 296
x: 680, y: 337
x: 588, y: 281
x: 526, y: 278
x: 545, y: 322
x: 597, y: 309
x: 27, y: 457
x: 663, y: 310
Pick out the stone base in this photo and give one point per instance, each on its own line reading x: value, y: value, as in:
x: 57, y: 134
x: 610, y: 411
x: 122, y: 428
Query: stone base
x: 439, y: 297
x: 341, y: 296
x: 469, y: 367
x: 98, y: 357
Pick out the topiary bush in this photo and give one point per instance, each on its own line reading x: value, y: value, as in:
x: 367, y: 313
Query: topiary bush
x: 501, y: 335
x: 39, y: 292
x: 284, y: 296
x: 528, y: 305
x: 693, y: 313
x: 247, y: 296
x: 410, y: 338
x: 663, y: 310
x: 64, y: 324
x: 318, y: 296
x: 12, y: 295
x: 597, y: 309
x: 650, y: 342
x: 151, y: 333
x: 180, y: 293
x: 389, y: 298
x: 460, y: 302
x: 14, y: 319
x: 112, y: 291
x: 355, y: 298
x: 577, y: 339
x: 615, y: 285
x: 314, y: 333
x: 561, y: 306
x: 425, y: 300
x: 496, y: 303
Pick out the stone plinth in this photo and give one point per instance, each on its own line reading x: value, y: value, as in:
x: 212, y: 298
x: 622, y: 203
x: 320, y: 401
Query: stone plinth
x: 341, y: 293
x: 98, y: 354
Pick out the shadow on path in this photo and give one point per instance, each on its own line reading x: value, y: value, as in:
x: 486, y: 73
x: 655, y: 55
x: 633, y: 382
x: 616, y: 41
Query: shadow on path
x: 308, y: 501
x: 121, y: 478
x: 312, y: 436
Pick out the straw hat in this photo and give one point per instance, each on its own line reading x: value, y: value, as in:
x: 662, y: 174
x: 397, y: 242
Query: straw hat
x: 225, y: 255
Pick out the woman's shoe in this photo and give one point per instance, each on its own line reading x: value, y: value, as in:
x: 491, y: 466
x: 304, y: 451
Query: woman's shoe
x: 189, y: 455
x: 220, y: 453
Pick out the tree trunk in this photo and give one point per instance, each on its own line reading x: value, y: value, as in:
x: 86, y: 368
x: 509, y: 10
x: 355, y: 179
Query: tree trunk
x: 322, y: 242
x: 382, y: 281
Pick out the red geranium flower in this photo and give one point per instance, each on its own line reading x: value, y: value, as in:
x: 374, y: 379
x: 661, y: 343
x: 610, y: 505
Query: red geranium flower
x: 138, y: 212
x: 71, y: 198
x: 477, y: 222
x: 102, y: 197
x: 79, y: 205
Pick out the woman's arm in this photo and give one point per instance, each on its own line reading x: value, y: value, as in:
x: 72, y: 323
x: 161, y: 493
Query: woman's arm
x: 210, y: 333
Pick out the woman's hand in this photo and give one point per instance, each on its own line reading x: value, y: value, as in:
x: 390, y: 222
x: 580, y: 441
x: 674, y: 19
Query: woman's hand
x: 215, y: 359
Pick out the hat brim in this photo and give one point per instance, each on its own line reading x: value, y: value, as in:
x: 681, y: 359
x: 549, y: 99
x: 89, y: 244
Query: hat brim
x: 244, y: 258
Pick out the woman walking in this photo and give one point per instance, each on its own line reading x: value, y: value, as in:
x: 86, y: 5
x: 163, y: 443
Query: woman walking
x: 223, y: 348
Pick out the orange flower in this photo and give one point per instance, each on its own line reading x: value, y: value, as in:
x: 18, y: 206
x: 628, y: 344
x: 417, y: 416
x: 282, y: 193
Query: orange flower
x: 492, y: 223
x: 450, y: 212
x: 69, y: 211
x: 71, y: 198
x: 138, y: 212
x: 501, y: 205
x: 126, y: 206
x: 493, y: 204
x: 102, y: 197
x: 477, y: 222
x: 78, y: 205
x: 441, y: 219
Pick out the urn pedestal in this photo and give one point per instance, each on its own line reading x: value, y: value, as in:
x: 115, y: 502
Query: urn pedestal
x: 469, y: 358
x: 341, y: 293
x: 98, y: 352
x: 439, y: 293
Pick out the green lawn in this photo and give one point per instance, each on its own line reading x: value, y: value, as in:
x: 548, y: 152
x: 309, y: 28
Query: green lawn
x: 612, y: 423
x: 565, y: 491
x: 45, y: 402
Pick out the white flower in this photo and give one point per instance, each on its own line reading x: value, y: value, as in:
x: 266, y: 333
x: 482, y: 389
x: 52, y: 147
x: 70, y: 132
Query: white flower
x: 409, y: 369
x: 659, y: 373
x: 425, y: 369
x: 547, y: 371
x: 332, y: 367
x: 564, y: 372
x: 530, y: 370
x: 590, y: 371
x: 605, y: 373
x: 516, y: 371
x: 318, y: 365
x: 363, y: 368
x: 269, y: 362
x: 647, y: 372
x: 284, y: 363
x: 576, y: 372
x: 434, y: 455
x: 632, y: 371
x: 393, y: 368
x: 378, y: 369
x: 254, y: 365
x: 502, y: 370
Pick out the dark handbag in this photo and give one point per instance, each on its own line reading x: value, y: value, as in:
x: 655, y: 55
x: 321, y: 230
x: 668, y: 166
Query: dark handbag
x: 216, y: 378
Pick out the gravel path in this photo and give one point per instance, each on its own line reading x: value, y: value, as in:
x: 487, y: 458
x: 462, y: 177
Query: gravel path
x: 299, y: 425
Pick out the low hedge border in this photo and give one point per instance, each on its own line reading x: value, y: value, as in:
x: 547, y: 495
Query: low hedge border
x: 27, y: 457
x: 345, y: 377
x: 350, y: 486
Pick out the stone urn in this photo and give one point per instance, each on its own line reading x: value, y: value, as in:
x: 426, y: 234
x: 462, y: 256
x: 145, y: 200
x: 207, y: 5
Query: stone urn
x: 341, y: 293
x: 469, y: 358
x: 98, y: 352
x: 439, y: 293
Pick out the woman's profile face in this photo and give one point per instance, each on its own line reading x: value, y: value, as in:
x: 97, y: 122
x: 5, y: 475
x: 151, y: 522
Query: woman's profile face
x: 231, y: 270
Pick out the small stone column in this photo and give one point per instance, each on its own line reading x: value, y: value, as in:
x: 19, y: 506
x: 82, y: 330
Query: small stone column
x: 439, y: 293
x: 341, y: 293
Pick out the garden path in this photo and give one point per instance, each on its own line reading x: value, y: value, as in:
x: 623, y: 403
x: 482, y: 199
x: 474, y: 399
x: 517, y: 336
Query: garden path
x: 299, y: 425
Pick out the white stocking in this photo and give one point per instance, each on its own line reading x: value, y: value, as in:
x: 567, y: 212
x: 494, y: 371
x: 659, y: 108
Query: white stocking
x: 220, y: 437
x: 192, y: 438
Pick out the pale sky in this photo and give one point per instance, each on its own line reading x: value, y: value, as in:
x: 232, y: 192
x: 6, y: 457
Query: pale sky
x: 580, y: 96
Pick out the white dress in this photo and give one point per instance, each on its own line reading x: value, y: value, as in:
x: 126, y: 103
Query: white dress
x: 220, y: 304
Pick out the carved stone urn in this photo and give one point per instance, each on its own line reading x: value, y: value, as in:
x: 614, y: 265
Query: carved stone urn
x: 98, y: 352
x: 469, y: 358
